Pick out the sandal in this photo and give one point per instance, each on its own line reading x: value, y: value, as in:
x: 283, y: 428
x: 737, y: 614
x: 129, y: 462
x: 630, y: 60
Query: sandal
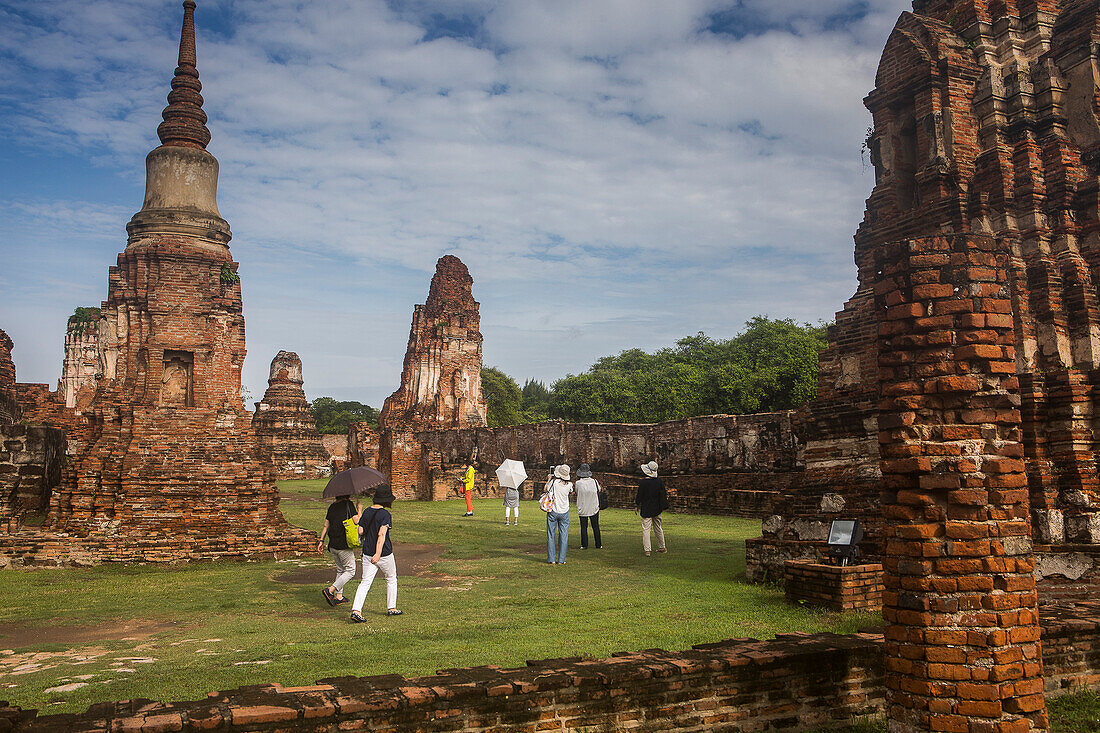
x: 329, y: 596
x: 393, y: 612
x: 357, y: 618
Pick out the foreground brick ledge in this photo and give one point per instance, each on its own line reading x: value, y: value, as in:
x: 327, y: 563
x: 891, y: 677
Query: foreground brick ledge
x: 794, y: 681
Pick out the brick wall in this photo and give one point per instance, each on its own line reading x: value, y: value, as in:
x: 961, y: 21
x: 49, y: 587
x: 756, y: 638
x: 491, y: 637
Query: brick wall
x: 840, y: 588
x: 718, y: 464
x: 30, y: 467
x: 791, y: 683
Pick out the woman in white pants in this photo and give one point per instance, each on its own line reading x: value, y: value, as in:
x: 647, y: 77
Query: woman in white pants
x: 375, y: 524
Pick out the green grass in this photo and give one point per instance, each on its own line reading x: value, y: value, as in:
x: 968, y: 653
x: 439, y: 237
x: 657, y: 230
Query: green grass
x: 491, y: 599
x: 1076, y: 713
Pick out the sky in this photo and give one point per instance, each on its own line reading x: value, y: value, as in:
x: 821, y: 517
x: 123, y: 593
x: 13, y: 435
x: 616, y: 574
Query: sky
x: 615, y: 174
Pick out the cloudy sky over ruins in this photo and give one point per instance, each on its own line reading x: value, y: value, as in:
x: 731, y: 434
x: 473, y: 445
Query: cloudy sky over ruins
x: 615, y: 173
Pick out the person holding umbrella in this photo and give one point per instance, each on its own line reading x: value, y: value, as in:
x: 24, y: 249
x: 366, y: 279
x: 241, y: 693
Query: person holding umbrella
x: 341, y: 525
x: 375, y: 524
x: 510, y: 475
x: 343, y: 552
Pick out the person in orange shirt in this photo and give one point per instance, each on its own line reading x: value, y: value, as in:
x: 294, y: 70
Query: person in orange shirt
x: 468, y: 487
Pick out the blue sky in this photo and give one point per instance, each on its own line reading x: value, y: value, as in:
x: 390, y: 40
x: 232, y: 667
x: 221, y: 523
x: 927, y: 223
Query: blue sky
x: 615, y: 173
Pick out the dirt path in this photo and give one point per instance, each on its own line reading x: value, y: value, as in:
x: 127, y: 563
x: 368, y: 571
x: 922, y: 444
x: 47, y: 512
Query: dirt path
x: 23, y: 635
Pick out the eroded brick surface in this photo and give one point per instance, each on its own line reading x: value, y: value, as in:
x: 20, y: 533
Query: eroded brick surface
x: 960, y: 605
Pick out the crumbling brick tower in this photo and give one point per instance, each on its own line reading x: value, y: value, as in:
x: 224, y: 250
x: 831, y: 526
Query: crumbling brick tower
x: 985, y: 122
x: 287, y: 434
x: 170, y: 454
x: 440, y: 379
x: 9, y: 407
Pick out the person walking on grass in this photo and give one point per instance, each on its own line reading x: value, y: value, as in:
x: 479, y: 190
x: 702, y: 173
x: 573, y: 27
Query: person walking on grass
x: 557, y: 519
x: 468, y: 487
x: 588, y: 505
x: 652, y: 499
x: 343, y: 552
x: 375, y: 525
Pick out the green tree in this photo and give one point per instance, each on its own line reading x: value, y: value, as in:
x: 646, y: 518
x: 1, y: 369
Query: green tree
x: 534, y: 401
x: 333, y: 417
x: 502, y: 398
x: 771, y: 365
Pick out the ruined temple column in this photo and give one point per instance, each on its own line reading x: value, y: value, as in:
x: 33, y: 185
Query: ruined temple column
x: 962, y: 633
x: 9, y: 407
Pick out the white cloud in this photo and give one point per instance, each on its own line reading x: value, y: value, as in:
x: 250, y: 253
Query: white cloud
x: 613, y: 173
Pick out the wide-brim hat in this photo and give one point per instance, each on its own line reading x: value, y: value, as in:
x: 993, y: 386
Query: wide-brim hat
x: 584, y: 471
x: 383, y: 493
x: 562, y: 472
x: 650, y: 469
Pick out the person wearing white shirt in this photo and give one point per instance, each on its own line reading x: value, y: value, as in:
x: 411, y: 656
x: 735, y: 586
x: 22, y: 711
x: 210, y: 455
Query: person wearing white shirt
x: 557, y: 519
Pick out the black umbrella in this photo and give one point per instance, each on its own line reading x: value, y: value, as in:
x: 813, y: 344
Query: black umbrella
x: 353, y: 481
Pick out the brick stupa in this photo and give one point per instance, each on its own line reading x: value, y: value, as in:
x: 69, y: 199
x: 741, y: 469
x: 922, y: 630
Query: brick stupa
x: 440, y: 379
x: 287, y: 433
x: 169, y: 467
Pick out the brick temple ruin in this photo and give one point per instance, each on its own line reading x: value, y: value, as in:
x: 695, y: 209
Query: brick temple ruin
x: 287, y: 433
x: 163, y: 460
x: 984, y: 127
x: 440, y: 379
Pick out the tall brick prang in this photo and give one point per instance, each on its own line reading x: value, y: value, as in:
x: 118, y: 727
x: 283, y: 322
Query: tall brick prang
x: 168, y: 467
x: 962, y: 623
x: 287, y: 433
x: 440, y: 378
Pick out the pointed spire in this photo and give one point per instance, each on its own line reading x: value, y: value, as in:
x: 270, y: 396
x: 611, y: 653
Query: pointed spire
x: 184, y: 121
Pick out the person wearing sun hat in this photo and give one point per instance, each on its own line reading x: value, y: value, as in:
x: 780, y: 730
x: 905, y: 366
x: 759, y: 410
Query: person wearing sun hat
x: 652, y: 499
x: 375, y: 524
x: 557, y: 519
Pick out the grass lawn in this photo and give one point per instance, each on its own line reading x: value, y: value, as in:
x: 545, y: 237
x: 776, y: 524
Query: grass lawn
x: 483, y: 594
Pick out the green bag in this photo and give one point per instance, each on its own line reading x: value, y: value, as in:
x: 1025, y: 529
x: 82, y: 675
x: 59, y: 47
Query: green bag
x: 351, y: 531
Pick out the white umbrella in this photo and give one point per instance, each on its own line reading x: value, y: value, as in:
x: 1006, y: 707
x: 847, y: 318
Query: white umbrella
x: 511, y: 474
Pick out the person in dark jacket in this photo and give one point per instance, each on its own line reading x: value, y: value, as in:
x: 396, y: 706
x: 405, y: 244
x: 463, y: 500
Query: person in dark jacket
x: 649, y: 503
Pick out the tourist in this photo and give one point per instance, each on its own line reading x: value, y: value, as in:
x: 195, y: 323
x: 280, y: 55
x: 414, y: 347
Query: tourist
x: 650, y: 502
x: 343, y: 554
x: 557, y: 519
x: 511, y: 504
x: 375, y: 524
x: 588, y: 505
x: 468, y: 487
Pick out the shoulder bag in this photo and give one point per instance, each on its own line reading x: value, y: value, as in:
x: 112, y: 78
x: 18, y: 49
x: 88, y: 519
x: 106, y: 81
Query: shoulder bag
x: 351, y: 530
x: 546, y: 501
